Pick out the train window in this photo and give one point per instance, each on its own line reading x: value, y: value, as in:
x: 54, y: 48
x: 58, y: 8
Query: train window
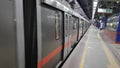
x: 75, y: 24
x: 82, y: 21
x: 57, y: 25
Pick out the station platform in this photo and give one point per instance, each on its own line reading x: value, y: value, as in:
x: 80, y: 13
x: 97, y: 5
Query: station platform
x: 94, y: 50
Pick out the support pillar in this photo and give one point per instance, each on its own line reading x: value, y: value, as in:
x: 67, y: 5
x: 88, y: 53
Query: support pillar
x: 118, y: 32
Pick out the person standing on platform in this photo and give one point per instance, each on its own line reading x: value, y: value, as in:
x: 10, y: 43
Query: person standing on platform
x: 98, y: 24
x: 101, y: 25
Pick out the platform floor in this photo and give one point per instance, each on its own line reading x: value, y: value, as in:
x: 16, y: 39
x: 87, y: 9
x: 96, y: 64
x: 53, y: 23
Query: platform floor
x: 92, y: 52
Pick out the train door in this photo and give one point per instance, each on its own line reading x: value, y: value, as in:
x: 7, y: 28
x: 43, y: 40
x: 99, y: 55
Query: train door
x: 80, y: 28
x: 51, y: 41
x: 85, y: 26
x: 66, y: 35
x: 77, y: 22
x: 74, y: 31
x: 82, y: 22
x: 70, y: 32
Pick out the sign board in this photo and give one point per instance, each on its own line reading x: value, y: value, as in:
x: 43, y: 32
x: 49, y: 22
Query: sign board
x: 101, y: 10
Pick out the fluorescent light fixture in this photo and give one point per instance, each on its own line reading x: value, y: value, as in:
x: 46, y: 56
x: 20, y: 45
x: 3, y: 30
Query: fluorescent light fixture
x: 95, y: 2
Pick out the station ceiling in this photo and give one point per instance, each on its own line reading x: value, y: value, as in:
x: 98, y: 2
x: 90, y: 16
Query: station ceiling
x: 87, y: 7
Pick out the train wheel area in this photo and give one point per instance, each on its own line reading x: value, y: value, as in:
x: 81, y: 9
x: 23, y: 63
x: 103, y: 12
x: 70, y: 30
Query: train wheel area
x: 95, y: 50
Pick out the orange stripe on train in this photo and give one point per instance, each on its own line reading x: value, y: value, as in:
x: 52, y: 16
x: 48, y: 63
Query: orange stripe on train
x: 54, y: 53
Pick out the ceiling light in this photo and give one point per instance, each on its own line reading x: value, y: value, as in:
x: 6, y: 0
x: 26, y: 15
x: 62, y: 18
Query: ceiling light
x: 117, y: 1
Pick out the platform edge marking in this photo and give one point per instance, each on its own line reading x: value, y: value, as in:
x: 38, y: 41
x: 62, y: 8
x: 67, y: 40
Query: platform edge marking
x: 84, y: 55
x: 113, y: 63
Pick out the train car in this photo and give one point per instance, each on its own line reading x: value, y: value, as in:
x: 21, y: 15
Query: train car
x: 38, y: 34
x: 112, y: 25
x: 64, y: 23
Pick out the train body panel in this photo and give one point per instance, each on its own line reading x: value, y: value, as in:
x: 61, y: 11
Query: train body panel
x: 11, y: 34
x: 7, y: 34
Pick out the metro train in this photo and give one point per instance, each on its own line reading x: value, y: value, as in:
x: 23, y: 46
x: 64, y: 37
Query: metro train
x: 112, y: 23
x: 38, y: 34
x: 112, y: 27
